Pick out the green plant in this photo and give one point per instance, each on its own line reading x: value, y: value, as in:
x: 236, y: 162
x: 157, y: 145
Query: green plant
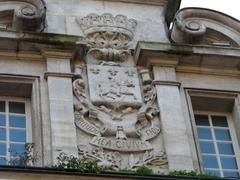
x: 144, y: 171
x: 83, y: 164
x: 189, y: 173
x: 125, y: 170
x: 27, y: 158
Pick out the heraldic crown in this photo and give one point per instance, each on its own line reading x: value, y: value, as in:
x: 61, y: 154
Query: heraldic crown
x: 107, y: 22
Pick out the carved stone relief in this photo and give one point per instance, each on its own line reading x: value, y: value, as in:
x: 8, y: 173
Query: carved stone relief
x: 120, y: 120
x: 24, y: 15
x: 115, y: 103
x: 108, y: 36
x: 205, y: 26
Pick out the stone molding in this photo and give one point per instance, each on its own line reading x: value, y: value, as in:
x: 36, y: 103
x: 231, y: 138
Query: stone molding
x: 167, y: 83
x: 149, y: 2
x: 178, y: 55
x: 28, y: 15
x: 55, y: 74
x: 55, y: 53
x: 205, y: 26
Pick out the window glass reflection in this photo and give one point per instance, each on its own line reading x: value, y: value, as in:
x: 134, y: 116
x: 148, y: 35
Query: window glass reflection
x: 17, y: 135
x: 228, y: 162
x: 210, y: 161
x: 17, y: 149
x: 222, y: 134
x: 231, y: 174
x: 202, y: 120
x: 3, y: 161
x: 225, y: 148
x: 219, y: 121
x: 2, y: 106
x: 17, y: 121
x: 17, y: 107
x: 204, y: 133
x: 2, y: 120
x: 2, y: 149
x: 207, y: 147
x: 2, y: 134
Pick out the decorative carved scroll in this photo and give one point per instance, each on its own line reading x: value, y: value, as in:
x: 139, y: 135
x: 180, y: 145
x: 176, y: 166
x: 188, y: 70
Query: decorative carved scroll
x: 205, y: 26
x: 108, y: 36
x: 24, y: 15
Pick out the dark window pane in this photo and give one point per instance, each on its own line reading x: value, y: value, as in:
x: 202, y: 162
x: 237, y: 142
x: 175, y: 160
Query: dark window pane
x: 2, y: 149
x: 222, y: 134
x: 3, y: 134
x: 3, y: 161
x: 18, y: 135
x: 204, y: 133
x: 230, y: 174
x: 2, y: 120
x: 201, y: 120
x: 17, y: 107
x: 212, y: 172
x: 207, y: 147
x: 17, y: 121
x: 228, y: 162
x: 2, y: 106
x: 225, y: 148
x: 209, y: 161
x: 17, y: 149
x: 219, y: 121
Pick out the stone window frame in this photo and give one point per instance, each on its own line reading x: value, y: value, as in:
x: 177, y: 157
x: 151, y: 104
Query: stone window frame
x: 234, y: 112
x: 30, y: 89
x: 27, y: 115
x: 232, y: 135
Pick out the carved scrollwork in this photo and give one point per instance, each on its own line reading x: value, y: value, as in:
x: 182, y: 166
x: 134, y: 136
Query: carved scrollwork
x: 205, y: 26
x: 109, y: 54
x: 108, y: 36
x: 29, y: 15
x: 112, y: 113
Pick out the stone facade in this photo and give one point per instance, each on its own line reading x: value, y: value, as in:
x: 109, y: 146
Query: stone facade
x: 112, y: 80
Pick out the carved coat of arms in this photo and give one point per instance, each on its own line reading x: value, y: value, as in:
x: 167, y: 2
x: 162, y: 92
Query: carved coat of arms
x: 115, y: 108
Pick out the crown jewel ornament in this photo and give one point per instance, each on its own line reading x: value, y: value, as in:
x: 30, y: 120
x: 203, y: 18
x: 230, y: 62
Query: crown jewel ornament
x: 109, y: 36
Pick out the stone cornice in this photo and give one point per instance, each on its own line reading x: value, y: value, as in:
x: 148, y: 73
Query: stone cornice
x: 193, y: 59
x: 38, y: 46
x: 55, y: 74
x: 150, y: 2
x: 168, y: 83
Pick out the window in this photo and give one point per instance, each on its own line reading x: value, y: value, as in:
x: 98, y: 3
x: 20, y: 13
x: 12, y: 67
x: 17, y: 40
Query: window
x: 15, y: 128
x: 218, y: 147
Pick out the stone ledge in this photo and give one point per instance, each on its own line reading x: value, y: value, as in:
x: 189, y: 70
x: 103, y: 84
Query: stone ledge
x: 154, y: 53
x: 167, y: 83
x: 37, y: 173
x: 150, y: 2
x: 57, y: 74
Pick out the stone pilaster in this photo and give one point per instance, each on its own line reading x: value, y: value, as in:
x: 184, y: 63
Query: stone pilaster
x: 59, y: 80
x: 172, y: 118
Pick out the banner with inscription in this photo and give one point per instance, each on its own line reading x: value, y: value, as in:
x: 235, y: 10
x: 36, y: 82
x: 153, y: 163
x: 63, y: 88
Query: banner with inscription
x: 121, y: 145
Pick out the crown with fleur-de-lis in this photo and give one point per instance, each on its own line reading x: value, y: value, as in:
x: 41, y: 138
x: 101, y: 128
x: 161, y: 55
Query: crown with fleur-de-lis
x: 107, y: 22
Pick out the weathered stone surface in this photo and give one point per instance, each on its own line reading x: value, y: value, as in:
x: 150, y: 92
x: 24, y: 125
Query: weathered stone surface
x: 114, y: 86
x: 115, y: 119
x: 204, y: 26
